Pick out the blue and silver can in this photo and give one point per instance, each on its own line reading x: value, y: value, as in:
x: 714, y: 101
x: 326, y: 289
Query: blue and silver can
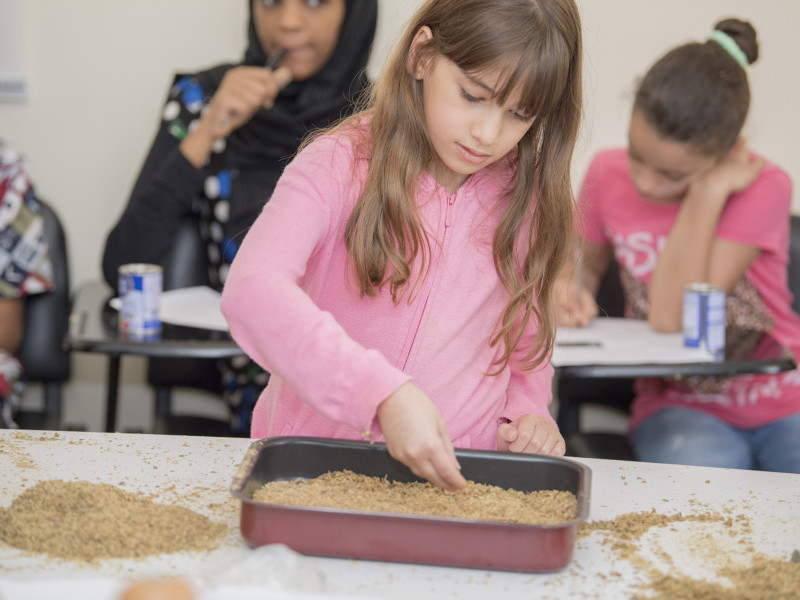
x: 140, y: 294
x: 704, y: 317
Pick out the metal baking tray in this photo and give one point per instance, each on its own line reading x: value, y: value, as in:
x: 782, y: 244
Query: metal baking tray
x: 400, y: 537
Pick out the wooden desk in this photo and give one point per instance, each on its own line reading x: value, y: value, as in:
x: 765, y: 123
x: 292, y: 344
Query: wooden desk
x: 196, y: 472
x: 93, y: 328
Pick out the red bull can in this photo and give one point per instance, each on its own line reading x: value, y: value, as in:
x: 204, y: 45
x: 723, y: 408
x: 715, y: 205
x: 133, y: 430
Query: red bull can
x: 140, y: 294
x: 704, y: 317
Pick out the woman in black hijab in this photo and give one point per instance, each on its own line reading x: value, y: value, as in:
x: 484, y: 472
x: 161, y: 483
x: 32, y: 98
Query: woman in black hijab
x: 226, y: 136
x: 224, y: 139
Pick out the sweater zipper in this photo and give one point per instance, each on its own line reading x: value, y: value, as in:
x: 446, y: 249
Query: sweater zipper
x: 448, y: 219
x: 448, y: 222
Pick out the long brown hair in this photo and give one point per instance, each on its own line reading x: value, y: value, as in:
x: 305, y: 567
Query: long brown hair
x: 698, y: 94
x: 541, y: 40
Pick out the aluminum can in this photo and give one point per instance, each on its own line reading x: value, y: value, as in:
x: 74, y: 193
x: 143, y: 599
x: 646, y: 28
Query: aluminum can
x: 140, y: 294
x: 704, y: 317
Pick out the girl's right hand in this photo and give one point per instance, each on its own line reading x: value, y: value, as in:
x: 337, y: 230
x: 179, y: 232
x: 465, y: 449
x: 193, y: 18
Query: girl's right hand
x: 574, y: 307
x: 416, y: 435
x: 242, y: 92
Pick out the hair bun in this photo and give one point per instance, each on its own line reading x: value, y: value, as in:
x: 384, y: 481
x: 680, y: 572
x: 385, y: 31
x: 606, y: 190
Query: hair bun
x: 744, y: 34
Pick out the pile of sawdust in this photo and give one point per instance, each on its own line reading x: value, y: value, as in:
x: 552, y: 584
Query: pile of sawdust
x: 85, y: 521
x: 764, y: 579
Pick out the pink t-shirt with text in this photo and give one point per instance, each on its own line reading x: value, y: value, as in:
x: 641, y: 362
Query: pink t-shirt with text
x: 612, y: 212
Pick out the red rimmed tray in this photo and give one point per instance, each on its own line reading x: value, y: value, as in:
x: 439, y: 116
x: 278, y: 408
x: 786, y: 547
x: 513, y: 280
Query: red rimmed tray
x: 400, y: 537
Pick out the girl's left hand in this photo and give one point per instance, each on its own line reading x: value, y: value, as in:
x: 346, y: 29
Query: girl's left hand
x: 531, y: 435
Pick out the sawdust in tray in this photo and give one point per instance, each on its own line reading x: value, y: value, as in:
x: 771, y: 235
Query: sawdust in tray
x: 352, y: 491
x: 764, y: 578
x: 84, y: 521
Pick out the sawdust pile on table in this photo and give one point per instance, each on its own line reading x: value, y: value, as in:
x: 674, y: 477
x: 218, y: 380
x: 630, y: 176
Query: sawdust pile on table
x: 83, y: 521
x: 765, y: 578
x: 353, y: 491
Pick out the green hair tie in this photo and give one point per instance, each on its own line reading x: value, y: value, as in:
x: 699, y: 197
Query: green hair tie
x: 730, y: 46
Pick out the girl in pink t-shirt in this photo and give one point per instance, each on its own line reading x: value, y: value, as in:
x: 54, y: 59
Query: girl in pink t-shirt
x: 397, y: 284
x: 689, y: 202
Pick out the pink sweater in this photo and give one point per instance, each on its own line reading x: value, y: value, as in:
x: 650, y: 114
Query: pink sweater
x: 292, y: 305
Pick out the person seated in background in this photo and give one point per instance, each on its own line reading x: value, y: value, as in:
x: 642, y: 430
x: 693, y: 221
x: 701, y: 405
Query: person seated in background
x: 227, y: 133
x: 25, y: 269
x: 688, y: 201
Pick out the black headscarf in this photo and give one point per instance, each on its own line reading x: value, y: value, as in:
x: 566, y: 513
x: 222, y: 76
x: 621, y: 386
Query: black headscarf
x: 273, y: 135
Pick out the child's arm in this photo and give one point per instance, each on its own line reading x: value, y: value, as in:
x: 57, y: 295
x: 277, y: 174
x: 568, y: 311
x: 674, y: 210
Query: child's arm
x: 12, y: 319
x: 416, y: 435
x: 576, y: 287
x: 692, y: 252
x: 273, y: 318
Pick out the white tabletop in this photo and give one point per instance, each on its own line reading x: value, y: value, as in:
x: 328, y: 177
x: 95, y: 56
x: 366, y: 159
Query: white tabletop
x: 196, y: 472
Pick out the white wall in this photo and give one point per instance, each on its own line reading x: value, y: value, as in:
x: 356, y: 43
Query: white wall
x: 97, y: 72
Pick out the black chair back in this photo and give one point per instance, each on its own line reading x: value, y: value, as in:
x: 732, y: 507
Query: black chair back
x: 186, y: 266
x: 44, y: 353
x: 794, y: 261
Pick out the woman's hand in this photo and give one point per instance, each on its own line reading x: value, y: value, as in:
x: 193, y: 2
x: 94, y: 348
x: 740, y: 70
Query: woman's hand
x: 416, y: 435
x: 242, y: 92
x: 531, y: 435
x: 574, y: 304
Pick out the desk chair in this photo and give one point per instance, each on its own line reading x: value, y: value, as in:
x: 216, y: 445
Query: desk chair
x: 186, y: 266
x: 616, y: 393
x: 43, y: 353
x: 794, y: 261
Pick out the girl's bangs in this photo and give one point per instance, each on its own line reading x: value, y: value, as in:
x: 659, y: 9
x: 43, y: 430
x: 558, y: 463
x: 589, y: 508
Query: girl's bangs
x: 538, y: 76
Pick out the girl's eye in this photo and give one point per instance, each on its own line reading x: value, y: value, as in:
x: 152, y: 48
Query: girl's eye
x: 675, y: 177
x: 314, y: 3
x: 519, y: 116
x: 469, y: 97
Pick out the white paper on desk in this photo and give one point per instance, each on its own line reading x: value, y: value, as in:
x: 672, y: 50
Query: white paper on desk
x: 617, y: 341
x: 191, y: 307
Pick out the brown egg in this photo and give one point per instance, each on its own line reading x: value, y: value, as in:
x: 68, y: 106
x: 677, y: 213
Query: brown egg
x: 158, y: 590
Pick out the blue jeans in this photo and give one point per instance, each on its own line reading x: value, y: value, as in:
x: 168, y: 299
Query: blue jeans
x: 690, y: 437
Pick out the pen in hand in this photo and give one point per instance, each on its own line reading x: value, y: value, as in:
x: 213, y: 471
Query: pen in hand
x: 272, y: 63
x: 275, y: 60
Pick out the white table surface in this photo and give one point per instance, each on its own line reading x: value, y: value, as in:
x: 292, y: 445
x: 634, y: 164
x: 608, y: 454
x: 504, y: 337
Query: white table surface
x: 614, y: 340
x: 196, y: 472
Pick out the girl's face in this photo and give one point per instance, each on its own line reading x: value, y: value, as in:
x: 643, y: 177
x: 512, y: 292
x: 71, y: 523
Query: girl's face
x: 468, y: 129
x: 308, y: 29
x: 662, y: 170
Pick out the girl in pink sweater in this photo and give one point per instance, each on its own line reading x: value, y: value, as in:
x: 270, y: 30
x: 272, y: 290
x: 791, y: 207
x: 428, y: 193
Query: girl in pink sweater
x: 397, y: 284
